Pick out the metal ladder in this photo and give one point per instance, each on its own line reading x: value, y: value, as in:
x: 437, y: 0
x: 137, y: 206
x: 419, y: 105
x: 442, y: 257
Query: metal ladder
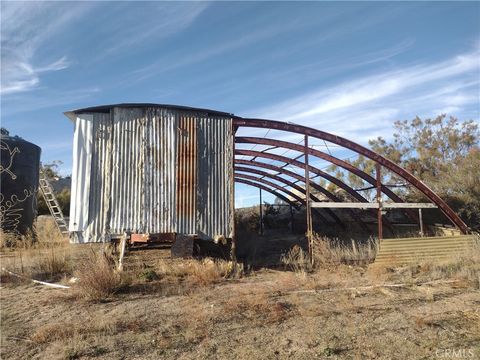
x: 52, y: 203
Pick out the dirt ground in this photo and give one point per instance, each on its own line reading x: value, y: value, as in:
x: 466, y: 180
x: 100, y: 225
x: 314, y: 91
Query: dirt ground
x: 266, y: 314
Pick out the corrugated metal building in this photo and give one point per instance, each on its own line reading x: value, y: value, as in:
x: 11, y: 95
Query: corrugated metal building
x: 151, y: 169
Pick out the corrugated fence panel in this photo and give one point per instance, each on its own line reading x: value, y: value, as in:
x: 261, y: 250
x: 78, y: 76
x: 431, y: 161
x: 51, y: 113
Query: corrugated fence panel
x: 215, y: 167
x: 408, y: 250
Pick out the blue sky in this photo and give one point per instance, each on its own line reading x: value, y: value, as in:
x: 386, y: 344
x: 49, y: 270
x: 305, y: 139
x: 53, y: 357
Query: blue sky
x: 350, y: 68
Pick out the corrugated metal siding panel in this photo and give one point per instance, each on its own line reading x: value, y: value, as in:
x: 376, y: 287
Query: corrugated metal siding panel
x: 147, y: 174
x: 98, y: 224
x: 215, y: 169
x: 127, y: 171
x: 160, y: 199
x: 186, y: 174
x: 82, y: 145
x: 408, y: 250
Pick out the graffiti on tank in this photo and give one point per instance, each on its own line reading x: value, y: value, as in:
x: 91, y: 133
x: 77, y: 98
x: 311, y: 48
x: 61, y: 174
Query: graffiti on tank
x: 9, y: 154
x: 11, y: 209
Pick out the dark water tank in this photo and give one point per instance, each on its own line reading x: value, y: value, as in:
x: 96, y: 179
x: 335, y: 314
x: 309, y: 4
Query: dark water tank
x: 19, y: 170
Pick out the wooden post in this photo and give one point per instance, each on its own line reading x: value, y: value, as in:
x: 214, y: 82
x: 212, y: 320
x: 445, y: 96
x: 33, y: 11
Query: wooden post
x: 420, y: 221
x: 307, y: 203
x: 123, y: 245
x: 261, y: 214
x: 379, y: 200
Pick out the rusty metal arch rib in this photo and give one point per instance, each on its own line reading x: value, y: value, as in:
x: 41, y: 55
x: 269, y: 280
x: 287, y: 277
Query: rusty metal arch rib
x: 278, y: 187
x: 301, y: 165
x: 300, y: 148
x: 266, y: 188
x: 328, y: 194
x: 292, y: 185
x: 334, y: 160
x: 299, y: 129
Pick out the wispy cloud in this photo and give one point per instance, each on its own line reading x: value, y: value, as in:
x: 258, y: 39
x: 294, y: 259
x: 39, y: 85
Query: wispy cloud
x: 366, y: 107
x: 25, y: 28
x: 25, y: 102
x: 147, y: 24
x: 28, y: 27
x: 262, y: 33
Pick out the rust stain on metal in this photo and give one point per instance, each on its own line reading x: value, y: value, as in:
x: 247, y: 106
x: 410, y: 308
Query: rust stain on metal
x: 187, y: 172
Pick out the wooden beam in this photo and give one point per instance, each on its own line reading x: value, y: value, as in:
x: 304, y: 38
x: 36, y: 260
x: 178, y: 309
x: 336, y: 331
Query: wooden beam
x: 358, y: 205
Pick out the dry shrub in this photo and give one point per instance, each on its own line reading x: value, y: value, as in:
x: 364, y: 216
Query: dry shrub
x: 296, y: 260
x: 52, y: 264
x: 330, y: 252
x: 98, y: 279
x: 257, y: 307
x: 197, y: 273
x: 59, y: 331
x: 206, y: 272
x: 462, y: 266
x: 48, y: 234
x: 44, y: 256
x: 7, y: 240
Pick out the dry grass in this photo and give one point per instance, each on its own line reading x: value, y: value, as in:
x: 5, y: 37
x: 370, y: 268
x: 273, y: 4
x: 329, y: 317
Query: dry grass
x: 464, y: 266
x: 257, y: 308
x: 197, y: 272
x: 328, y: 253
x: 296, y: 260
x: 98, y: 279
x: 45, y: 256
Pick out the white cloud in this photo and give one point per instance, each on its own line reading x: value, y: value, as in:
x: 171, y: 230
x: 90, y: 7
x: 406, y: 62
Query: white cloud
x: 366, y: 107
x: 25, y: 28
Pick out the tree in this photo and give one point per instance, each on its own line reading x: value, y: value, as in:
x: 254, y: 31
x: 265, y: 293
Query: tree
x: 443, y: 152
x: 63, y: 195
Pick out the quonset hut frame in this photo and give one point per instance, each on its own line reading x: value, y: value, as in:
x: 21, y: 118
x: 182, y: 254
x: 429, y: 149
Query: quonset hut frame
x: 157, y: 169
x: 256, y: 167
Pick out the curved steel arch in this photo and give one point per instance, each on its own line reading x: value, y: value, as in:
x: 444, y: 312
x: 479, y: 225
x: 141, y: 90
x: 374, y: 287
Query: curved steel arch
x: 283, y: 171
x: 278, y: 187
x: 317, y: 153
x: 271, y: 191
x: 390, y: 165
x: 301, y: 165
x: 328, y: 194
x: 292, y: 185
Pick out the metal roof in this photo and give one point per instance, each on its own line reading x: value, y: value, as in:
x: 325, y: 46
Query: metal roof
x: 106, y: 109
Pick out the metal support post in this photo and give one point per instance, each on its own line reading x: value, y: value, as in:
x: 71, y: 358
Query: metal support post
x: 379, y: 200
x: 261, y: 214
x: 291, y: 218
x: 420, y: 221
x: 308, y: 204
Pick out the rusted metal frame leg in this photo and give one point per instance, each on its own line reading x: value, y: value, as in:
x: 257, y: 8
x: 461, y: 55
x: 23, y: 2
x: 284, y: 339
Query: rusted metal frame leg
x: 308, y: 203
x: 291, y: 218
x: 261, y: 213
x: 379, y: 200
x: 420, y: 222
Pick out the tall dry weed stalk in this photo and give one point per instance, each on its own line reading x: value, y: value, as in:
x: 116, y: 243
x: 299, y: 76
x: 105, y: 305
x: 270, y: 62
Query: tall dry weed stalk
x: 328, y: 252
x: 296, y: 260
